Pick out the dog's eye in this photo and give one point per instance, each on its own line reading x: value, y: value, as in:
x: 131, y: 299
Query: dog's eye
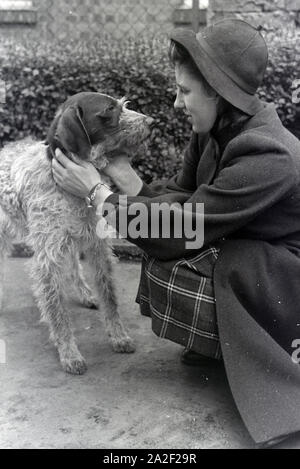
x: 106, y: 118
x: 107, y: 114
x: 110, y: 108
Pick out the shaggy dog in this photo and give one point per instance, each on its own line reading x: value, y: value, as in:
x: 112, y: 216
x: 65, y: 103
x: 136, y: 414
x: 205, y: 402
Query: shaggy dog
x: 59, y: 226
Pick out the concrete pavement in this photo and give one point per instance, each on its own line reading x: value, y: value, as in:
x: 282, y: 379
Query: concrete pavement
x: 143, y: 400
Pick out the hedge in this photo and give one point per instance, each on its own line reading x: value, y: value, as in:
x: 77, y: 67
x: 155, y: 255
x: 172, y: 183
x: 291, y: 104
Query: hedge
x: 281, y: 76
x: 39, y: 77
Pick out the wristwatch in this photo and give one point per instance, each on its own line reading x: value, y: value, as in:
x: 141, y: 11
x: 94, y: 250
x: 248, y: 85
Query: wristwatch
x: 92, y: 195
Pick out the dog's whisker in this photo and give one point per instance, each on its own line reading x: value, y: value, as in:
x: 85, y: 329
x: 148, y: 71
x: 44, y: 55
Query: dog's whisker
x: 123, y: 101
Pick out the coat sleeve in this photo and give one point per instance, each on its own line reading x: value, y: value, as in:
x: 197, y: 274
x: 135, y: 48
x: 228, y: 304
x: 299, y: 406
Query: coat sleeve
x: 255, y: 173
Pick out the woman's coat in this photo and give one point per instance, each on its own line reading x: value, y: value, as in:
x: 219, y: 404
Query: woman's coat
x: 247, y: 176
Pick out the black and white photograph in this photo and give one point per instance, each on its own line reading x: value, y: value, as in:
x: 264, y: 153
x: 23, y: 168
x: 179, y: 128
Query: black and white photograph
x: 149, y: 227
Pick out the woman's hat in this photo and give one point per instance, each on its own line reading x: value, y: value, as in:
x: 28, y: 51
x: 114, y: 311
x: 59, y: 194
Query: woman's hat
x: 232, y: 56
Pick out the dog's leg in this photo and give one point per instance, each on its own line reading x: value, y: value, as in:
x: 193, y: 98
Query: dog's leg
x: 47, y: 271
x: 100, y: 257
x: 7, y: 232
x: 2, y: 267
x: 86, y: 296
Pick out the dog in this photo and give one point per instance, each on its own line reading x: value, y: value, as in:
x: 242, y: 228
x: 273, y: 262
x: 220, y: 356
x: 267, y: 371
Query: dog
x: 59, y: 226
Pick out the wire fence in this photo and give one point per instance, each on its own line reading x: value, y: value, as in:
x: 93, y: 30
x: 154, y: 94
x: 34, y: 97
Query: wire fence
x: 86, y: 19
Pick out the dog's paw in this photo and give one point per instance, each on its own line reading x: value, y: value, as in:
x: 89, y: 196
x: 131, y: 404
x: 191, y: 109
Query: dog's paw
x: 74, y: 366
x: 71, y: 359
x: 123, y: 345
x: 121, y: 342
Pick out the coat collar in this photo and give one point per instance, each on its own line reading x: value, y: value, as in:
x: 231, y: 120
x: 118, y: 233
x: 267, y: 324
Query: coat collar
x: 229, y: 125
x: 226, y: 128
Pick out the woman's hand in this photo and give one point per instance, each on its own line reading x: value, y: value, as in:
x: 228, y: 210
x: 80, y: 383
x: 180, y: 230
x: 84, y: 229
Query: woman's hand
x: 123, y: 175
x: 118, y: 165
x: 78, y: 179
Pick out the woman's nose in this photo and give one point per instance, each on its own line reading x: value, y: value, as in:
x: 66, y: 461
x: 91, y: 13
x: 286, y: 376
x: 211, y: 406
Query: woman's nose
x: 178, y: 103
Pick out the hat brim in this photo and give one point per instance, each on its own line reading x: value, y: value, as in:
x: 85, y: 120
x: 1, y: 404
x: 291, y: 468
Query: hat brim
x: 215, y: 77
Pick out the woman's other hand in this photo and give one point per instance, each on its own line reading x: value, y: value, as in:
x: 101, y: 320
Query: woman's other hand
x: 77, y: 179
x: 123, y: 175
x: 118, y: 164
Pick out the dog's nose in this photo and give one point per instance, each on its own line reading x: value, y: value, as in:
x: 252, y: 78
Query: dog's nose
x: 149, y: 121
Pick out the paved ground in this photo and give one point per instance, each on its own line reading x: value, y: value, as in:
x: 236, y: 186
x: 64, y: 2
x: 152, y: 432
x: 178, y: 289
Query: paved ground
x: 144, y: 400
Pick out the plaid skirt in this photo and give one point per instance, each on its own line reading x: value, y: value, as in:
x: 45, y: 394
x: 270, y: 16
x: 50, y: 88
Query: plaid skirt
x: 178, y: 296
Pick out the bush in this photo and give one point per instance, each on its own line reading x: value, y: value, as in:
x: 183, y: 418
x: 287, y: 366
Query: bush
x: 282, y: 72
x: 39, y: 77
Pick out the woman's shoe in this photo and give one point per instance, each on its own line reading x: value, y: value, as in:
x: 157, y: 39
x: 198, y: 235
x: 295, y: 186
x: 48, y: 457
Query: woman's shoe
x: 188, y: 357
x: 291, y: 439
x: 271, y: 443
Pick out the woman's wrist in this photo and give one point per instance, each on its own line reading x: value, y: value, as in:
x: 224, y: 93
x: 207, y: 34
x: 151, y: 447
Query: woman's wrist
x: 127, y: 181
x: 101, y: 195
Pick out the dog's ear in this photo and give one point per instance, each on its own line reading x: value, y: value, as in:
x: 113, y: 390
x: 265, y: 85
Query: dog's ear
x: 71, y: 132
x: 50, y: 140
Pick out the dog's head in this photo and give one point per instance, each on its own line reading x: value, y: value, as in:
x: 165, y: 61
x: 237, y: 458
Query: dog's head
x: 94, y: 125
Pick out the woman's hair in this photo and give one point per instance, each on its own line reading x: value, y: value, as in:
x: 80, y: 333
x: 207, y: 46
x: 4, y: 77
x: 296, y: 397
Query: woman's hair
x: 179, y: 55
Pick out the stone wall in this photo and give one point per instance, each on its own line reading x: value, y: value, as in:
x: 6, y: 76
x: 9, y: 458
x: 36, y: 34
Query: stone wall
x: 272, y: 15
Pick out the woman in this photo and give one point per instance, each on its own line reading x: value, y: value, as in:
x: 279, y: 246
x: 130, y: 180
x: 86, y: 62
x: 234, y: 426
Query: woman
x: 239, y: 293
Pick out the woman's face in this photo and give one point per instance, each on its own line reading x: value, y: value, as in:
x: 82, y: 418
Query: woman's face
x: 193, y: 99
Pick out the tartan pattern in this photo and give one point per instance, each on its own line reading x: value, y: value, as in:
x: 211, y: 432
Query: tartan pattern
x: 179, y: 297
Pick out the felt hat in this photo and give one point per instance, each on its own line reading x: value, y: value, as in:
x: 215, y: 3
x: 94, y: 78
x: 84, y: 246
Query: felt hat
x: 232, y: 56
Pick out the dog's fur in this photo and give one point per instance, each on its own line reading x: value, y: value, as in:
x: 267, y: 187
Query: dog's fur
x: 59, y: 226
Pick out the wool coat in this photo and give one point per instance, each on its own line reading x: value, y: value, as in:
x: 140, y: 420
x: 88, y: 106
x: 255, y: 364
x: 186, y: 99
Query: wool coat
x: 247, y: 176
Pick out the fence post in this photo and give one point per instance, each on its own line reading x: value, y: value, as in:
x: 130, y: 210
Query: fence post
x: 195, y: 15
